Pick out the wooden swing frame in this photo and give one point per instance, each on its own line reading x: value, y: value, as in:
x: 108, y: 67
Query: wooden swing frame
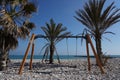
x: 88, y: 41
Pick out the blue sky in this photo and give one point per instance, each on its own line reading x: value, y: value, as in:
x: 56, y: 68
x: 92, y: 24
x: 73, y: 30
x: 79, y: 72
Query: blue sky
x: 62, y: 11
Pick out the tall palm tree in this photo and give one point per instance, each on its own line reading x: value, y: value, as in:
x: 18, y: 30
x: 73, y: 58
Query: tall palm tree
x: 98, y: 19
x: 53, y: 35
x: 14, y: 24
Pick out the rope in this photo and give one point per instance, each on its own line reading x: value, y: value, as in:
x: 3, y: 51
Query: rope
x: 76, y: 46
x: 67, y: 46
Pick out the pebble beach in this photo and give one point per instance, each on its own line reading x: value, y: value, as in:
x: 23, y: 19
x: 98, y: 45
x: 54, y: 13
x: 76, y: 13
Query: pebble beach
x: 72, y: 69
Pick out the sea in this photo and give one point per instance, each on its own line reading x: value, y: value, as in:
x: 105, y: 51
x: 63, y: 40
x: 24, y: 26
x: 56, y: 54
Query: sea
x: 60, y: 56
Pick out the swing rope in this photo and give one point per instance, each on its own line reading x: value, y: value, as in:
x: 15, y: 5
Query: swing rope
x: 76, y: 46
x: 67, y: 46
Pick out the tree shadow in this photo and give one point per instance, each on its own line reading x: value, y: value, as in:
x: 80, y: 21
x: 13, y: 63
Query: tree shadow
x: 39, y: 68
x: 55, y: 65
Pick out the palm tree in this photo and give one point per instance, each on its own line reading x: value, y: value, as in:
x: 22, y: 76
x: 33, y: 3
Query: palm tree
x: 53, y: 35
x: 5, y: 46
x: 14, y: 24
x: 98, y: 19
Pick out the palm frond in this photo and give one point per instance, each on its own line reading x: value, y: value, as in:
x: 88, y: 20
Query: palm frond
x: 109, y: 32
x: 61, y: 37
x: 23, y: 32
x: 46, y: 45
x: 97, y: 18
x: 4, y: 37
x: 29, y: 25
x: 14, y: 13
x: 29, y: 8
x: 45, y: 53
x: 107, y: 39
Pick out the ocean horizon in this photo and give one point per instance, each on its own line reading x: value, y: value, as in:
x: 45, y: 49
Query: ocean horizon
x: 60, y: 56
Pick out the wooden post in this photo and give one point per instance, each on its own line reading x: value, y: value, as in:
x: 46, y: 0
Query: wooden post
x: 31, y: 58
x: 88, y: 56
x: 95, y: 54
x: 25, y: 56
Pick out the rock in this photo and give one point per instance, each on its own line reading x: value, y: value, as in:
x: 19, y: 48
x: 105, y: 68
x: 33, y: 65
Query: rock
x: 0, y: 73
x: 67, y: 70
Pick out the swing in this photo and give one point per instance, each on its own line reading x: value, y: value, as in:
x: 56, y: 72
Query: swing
x: 76, y: 47
x: 88, y: 41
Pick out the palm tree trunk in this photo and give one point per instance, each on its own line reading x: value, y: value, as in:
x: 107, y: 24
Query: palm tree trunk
x: 51, y: 53
x: 3, y: 60
x: 98, y: 48
x: 3, y: 57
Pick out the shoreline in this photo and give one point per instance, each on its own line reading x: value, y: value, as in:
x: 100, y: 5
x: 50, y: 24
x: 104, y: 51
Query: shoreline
x: 55, y: 60
x: 60, y: 56
x: 71, y: 69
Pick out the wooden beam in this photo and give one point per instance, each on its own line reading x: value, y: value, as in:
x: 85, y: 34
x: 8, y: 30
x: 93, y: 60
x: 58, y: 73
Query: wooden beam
x: 26, y: 54
x: 41, y: 36
x: 95, y: 54
x: 31, y: 58
x: 88, y: 56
